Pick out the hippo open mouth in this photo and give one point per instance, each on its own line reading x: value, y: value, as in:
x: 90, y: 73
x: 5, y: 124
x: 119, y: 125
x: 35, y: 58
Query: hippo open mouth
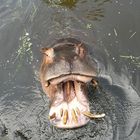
x: 65, y: 71
x: 69, y: 104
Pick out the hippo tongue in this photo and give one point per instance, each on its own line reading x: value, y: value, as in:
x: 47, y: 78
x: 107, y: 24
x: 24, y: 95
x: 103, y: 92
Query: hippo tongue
x: 69, y: 103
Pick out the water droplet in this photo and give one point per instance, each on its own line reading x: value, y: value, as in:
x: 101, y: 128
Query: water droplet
x: 109, y: 34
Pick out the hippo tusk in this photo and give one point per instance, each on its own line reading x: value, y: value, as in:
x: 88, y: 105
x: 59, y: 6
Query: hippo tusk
x: 93, y: 116
x: 74, y: 116
x: 53, y: 116
x: 65, y: 118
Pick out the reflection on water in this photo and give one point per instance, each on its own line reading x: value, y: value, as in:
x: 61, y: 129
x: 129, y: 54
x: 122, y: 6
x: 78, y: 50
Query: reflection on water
x: 113, y: 41
x: 65, y: 3
x: 93, y: 12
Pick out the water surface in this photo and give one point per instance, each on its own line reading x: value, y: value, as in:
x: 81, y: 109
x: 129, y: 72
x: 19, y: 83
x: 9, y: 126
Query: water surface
x: 111, y: 31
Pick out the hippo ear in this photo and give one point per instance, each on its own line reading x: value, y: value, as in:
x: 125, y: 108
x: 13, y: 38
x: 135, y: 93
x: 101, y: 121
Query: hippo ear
x: 48, y: 52
x: 80, y: 50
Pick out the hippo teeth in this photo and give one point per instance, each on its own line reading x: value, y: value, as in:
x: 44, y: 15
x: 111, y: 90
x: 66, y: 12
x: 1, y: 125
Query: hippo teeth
x: 70, y: 108
x: 65, y: 117
x: 77, y: 110
x: 75, y: 113
x: 93, y: 116
x: 68, y: 115
x: 53, y: 116
x: 61, y: 112
x: 74, y: 116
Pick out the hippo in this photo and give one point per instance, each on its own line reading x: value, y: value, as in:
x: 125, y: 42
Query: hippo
x: 65, y: 71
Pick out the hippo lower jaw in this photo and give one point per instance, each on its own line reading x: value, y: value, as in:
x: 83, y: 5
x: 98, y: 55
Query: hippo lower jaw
x: 69, y: 105
x: 69, y: 115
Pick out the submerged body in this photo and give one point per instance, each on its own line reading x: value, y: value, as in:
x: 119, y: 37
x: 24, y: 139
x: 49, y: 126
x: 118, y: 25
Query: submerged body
x: 65, y: 71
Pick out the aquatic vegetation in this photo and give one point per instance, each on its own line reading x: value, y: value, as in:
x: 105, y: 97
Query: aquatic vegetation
x: 88, y: 26
x: 132, y: 59
x: 65, y: 3
x: 101, y: 2
x: 24, y: 52
x: 95, y: 14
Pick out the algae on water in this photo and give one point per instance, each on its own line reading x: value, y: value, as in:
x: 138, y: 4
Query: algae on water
x: 24, y: 53
x: 132, y: 59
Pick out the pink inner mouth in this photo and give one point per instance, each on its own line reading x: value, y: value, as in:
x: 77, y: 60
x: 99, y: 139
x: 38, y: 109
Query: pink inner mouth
x: 69, y: 103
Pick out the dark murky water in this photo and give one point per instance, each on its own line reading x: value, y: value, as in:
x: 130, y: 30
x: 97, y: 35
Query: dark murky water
x: 110, y: 28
